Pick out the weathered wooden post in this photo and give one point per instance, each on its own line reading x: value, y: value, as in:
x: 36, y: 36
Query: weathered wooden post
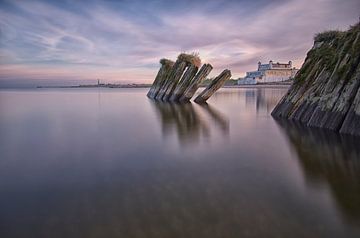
x: 161, y: 76
x: 184, y: 83
x: 179, y: 81
x: 217, y: 83
x: 175, y: 73
x: 173, y: 81
x: 195, y: 83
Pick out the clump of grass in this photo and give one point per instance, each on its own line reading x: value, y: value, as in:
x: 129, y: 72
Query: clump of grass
x: 167, y: 62
x: 327, y: 36
x: 336, y: 45
x: 355, y: 27
x: 303, y: 72
x: 327, y: 54
x: 193, y: 59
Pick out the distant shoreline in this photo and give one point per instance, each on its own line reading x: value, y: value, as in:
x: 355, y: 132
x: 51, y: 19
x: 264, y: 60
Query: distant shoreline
x: 268, y: 85
x: 259, y: 86
x: 102, y: 86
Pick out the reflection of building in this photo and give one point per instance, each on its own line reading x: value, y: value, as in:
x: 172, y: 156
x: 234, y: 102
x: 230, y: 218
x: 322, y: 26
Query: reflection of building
x: 246, y: 80
x: 264, y: 99
x: 269, y: 73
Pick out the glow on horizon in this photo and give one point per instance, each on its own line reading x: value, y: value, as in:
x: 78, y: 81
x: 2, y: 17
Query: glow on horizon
x: 48, y: 41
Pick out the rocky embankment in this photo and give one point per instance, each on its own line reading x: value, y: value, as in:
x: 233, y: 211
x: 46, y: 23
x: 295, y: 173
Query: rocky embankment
x: 326, y: 90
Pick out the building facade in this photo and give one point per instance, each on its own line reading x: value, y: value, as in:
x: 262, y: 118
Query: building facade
x: 270, y: 73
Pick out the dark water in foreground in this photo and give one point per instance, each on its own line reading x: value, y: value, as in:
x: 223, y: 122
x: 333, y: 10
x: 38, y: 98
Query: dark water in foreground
x: 111, y: 163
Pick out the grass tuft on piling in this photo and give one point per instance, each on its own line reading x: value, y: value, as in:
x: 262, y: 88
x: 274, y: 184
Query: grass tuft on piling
x: 166, y: 62
x: 193, y: 59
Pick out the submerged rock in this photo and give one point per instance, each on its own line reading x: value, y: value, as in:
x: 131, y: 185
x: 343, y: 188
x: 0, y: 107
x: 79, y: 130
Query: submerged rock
x: 326, y: 90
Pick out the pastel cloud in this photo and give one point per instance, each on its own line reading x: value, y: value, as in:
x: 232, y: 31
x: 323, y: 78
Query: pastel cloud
x: 122, y: 41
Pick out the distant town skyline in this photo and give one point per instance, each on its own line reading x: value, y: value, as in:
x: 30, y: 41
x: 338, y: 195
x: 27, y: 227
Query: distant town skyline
x: 72, y: 42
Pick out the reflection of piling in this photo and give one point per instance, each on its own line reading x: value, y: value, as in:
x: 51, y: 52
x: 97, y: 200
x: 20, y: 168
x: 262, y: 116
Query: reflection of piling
x: 178, y: 82
x: 217, y: 117
x: 189, y: 124
x: 181, y: 117
x: 217, y: 83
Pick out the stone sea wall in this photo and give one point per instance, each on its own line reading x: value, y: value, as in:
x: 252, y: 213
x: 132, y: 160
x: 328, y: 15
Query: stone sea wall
x: 326, y: 90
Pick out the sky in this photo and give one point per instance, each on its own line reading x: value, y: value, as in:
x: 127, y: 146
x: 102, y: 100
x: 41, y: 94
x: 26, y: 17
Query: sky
x: 76, y: 42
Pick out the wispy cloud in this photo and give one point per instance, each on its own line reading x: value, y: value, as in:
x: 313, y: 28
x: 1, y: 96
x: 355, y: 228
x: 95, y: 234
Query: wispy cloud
x: 123, y: 40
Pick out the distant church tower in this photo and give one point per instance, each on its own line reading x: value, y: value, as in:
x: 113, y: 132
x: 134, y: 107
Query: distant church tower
x: 98, y: 82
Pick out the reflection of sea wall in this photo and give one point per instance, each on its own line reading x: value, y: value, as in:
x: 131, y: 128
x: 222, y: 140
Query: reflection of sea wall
x: 187, y: 121
x: 325, y: 156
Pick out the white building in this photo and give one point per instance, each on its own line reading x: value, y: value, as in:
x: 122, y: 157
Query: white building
x: 246, y: 81
x: 269, y: 73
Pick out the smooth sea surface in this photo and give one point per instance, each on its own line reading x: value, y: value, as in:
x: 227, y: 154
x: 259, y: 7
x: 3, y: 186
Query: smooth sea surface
x: 113, y: 163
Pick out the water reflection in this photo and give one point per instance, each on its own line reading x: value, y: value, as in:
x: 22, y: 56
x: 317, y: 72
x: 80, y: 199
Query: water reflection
x: 262, y: 99
x: 190, y: 123
x: 266, y: 100
x: 218, y: 118
x: 107, y: 163
x: 327, y: 157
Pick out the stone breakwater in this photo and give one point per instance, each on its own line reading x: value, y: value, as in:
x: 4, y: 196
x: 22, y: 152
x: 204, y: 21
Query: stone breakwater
x: 326, y: 90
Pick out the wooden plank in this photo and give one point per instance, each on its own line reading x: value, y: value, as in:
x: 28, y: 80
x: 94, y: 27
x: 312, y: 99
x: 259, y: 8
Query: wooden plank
x: 195, y: 83
x: 184, y: 83
x: 217, y: 83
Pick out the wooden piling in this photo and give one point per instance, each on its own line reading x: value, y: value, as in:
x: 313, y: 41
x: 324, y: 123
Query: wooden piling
x: 173, y: 81
x: 184, y: 83
x: 163, y: 86
x: 189, y: 60
x: 164, y: 71
x: 195, y: 83
x: 217, y: 83
x: 168, y: 85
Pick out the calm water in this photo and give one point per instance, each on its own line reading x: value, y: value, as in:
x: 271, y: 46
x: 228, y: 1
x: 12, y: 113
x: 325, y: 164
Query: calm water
x: 112, y: 163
